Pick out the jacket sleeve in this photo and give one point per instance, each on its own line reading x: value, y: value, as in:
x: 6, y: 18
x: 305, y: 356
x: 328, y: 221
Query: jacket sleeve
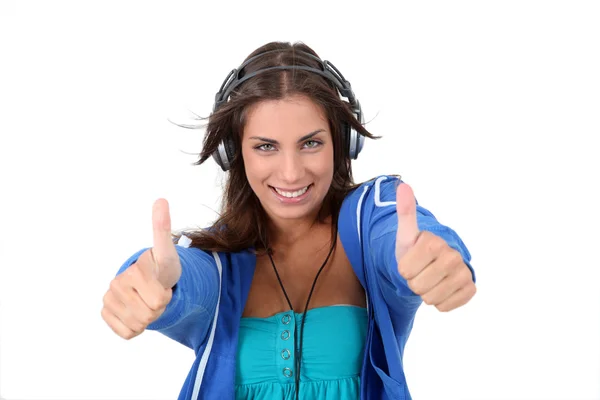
x: 189, y: 314
x: 382, y: 240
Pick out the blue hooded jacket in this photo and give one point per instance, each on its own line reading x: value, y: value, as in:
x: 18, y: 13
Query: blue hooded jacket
x: 207, y: 304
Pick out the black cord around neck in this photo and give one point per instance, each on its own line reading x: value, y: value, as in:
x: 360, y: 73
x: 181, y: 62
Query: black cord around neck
x: 298, y: 346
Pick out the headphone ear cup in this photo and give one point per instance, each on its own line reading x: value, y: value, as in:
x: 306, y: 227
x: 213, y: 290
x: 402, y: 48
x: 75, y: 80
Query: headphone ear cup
x: 224, y: 154
x: 357, y: 141
x: 352, y: 144
x: 353, y: 141
x: 229, y: 149
x: 345, y: 137
x: 216, y: 155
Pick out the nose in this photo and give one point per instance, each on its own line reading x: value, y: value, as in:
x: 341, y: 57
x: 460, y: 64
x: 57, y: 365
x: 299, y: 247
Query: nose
x: 291, y: 168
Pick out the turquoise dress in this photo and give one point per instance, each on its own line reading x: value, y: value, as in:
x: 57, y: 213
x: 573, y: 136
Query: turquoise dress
x: 333, y: 343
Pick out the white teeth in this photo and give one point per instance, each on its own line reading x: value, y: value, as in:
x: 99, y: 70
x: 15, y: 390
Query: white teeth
x: 292, y: 194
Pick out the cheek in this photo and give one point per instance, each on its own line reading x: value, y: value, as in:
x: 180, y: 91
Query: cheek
x: 325, y: 165
x: 255, y: 167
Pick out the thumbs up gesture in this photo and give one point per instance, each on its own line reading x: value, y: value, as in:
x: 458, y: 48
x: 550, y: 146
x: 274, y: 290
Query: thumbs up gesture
x: 433, y: 270
x: 139, y: 295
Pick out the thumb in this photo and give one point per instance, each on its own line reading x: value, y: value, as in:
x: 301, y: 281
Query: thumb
x: 163, y: 250
x: 408, y: 229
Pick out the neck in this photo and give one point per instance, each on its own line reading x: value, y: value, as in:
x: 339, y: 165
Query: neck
x: 283, y: 234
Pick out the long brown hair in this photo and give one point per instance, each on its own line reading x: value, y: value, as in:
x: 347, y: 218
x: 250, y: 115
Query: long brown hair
x: 242, y: 223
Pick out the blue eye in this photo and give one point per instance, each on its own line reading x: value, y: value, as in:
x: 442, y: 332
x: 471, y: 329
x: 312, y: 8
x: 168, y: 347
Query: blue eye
x: 263, y: 147
x: 311, y: 144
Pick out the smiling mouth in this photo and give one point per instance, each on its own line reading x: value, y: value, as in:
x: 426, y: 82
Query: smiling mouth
x: 293, y: 194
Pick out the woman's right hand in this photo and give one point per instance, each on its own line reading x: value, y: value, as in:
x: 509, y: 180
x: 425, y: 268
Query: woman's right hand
x: 139, y: 295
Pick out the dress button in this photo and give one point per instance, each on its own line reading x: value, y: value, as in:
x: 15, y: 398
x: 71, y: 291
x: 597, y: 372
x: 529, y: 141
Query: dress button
x: 285, y: 354
x: 287, y: 372
x: 285, y: 335
x: 286, y: 319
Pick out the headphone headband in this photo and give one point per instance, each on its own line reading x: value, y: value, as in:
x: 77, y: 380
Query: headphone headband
x: 329, y: 71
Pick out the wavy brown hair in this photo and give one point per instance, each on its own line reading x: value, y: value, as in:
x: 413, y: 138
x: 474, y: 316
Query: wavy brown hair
x: 242, y: 223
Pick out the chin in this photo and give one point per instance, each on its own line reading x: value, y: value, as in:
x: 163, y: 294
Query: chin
x: 293, y: 214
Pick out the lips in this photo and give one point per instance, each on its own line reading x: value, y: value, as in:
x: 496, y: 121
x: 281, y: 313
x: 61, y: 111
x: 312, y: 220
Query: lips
x: 289, y: 190
x: 291, y: 193
x: 292, y: 196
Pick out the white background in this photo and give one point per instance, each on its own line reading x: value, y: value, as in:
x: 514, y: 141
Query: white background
x: 490, y: 110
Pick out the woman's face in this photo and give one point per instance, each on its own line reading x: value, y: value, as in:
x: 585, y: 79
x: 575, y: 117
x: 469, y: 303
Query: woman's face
x: 288, y: 156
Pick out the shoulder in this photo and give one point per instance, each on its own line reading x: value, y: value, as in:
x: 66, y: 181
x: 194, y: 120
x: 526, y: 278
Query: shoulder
x: 218, y: 257
x: 378, y: 191
x: 367, y: 202
x: 357, y: 212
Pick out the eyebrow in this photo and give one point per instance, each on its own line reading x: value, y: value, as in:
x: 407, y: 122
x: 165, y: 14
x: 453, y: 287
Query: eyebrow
x: 303, y: 138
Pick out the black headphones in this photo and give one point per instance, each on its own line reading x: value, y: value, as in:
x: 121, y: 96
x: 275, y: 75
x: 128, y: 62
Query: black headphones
x: 353, y: 141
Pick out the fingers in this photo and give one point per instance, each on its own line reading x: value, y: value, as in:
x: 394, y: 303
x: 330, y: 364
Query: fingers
x: 133, y: 301
x: 458, y: 298
x: 429, y: 262
x: 119, y: 318
x: 136, y: 310
x: 117, y: 325
x: 441, y: 285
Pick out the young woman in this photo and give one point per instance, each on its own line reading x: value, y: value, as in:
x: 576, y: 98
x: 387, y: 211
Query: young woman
x: 308, y: 284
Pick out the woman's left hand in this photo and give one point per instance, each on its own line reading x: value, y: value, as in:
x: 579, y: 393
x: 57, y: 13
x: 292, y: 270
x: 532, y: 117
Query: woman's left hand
x: 433, y: 270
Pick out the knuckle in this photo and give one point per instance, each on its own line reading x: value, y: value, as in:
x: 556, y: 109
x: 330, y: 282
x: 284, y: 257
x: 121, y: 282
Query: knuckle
x: 427, y: 235
x: 442, y: 308
x: 147, y: 319
x: 130, y: 321
x: 125, y: 276
x: 434, y: 243
x: 115, y: 285
x: 455, y: 258
x: 104, y: 314
x: 416, y: 287
x: 134, y: 271
x: 167, y: 296
x: 138, y: 326
x: 158, y: 303
x: 402, y: 269
x: 127, y: 335
x: 134, y: 276
x: 438, y: 243
x: 466, y: 277
x: 155, y: 303
x: 427, y: 300
x: 120, y: 329
x: 471, y: 290
x: 451, y: 261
